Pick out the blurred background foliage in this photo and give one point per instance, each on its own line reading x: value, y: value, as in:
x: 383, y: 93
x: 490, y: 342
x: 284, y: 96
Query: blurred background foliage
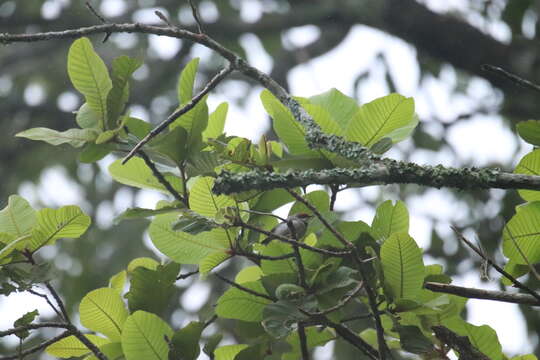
x: 449, y: 39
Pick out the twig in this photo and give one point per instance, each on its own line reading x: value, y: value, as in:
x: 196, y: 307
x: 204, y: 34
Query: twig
x: 298, y: 256
x: 186, y: 275
x: 473, y: 293
x: 196, y: 16
x: 500, y: 270
x: 49, y: 302
x: 264, y: 257
x: 33, y: 327
x: 295, y: 243
x: 159, y: 176
x: 315, y: 211
x: 303, y: 341
x: 245, y: 289
x: 208, y: 322
x: 334, y: 191
x: 58, y: 300
x: 461, y: 344
x: 343, y: 302
x: 163, y: 18
x: 351, y: 338
x: 90, y: 345
x: 38, y: 347
x: 182, y: 168
x: 184, y: 109
x: 510, y: 76
x: 100, y: 17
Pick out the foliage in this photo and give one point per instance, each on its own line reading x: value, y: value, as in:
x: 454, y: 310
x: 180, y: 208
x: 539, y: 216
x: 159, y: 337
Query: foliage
x: 337, y: 270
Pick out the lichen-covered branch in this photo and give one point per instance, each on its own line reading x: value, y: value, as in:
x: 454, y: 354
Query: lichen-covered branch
x: 380, y: 173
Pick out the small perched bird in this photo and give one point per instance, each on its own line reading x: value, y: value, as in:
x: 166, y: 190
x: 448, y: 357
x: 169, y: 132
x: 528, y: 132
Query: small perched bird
x: 299, y: 223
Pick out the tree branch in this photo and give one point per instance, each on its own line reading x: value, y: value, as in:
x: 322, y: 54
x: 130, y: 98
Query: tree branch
x: 38, y: 347
x: 159, y: 176
x: 303, y: 341
x: 386, y: 172
x: 245, y: 289
x: 473, y: 293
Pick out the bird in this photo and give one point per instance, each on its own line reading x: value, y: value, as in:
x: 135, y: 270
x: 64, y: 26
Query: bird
x: 298, y: 222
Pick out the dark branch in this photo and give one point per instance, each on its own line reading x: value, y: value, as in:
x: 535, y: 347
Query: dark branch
x: 159, y: 176
x: 245, y: 289
x: 512, y: 77
x: 472, y: 293
x: 461, y: 344
x: 303, y: 341
x: 38, y: 347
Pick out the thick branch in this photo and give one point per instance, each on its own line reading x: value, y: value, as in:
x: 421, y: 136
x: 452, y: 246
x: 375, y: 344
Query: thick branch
x: 473, y: 293
x: 381, y: 173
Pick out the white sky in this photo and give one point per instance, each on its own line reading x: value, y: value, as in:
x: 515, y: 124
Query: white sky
x: 337, y: 69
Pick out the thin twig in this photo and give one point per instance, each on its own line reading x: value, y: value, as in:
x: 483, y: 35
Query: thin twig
x: 90, y: 345
x: 179, y: 112
x: 245, y: 289
x: 182, y: 168
x: 196, y: 16
x: 33, y: 327
x: 303, y: 341
x: 297, y: 255
x: 95, y: 12
x: 295, y: 243
x: 334, y: 191
x: 186, y: 275
x: 473, y: 293
x: 163, y: 18
x: 58, y: 300
x: 159, y: 176
x: 500, y: 270
x: 38, y: 347
x: 49, y: 302
x: 316, y: 212
x: 510, y: 76
x: 343, y: 301
x: 351, y: 338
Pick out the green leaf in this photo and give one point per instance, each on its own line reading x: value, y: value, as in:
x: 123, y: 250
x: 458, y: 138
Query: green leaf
x: 136, y: 173
x: 529, y: 131
x: 118, y: 281
x: 516, y: 270
x: 314, y: 336
x: 229, y: 352
x: 106, y: 136
x: 340, y: 106
x: 216, y: 122
x: 240, y: 305
x: 323, y: 118
x: 102, y: 310
x: 413, y: 340
x: 529, y: 165
x: 143, y: 337
x: 286, y: 127
x: 18, y: 217
x: 281, y: 318
x: 173, y: 144
x: 182, y: 247
x: 212, y: 343
x: 203, y: 163
x: 137, y: 213
x: 73, y: 137
x: 185, y: 342
x: 86, y: 118
x: 247, y: 274
x: 483, y: 338
x: 187, y: 80
x: 24, y: 320
x: 52, y: 224
x: 72, y: 347
x: 152, y: 290
x: 90, y: 76
x: 113, y: 351
x: 211, y: 261
x: 145, y: 262
x: 138, y: 127
x: 122, y: 69
x: 318, y: 198
x: 521, y: 235
x: 204, y: 201
x: 94, y: 152
x: 380, y: 118
x: 390, y: 219
x: 403, y: 266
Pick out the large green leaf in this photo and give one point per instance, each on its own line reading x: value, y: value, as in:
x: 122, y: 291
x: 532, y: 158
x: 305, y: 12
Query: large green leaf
x: 229, y: 352
x: 143, y: 337
x: 240, y: 305
x: 529, y: 165
x: 186, y: 81
x: 204, y: 201
x: 390, y: 219
x: 211, y: 261
x: 102, y: 310
x: 521, y: 235
x: 73, y: 137
x: 52, y: 224
x: 185, y: 342
x: 483, y: 338
x: 136, y: 173
x: 340, y: 106
x: 90, y: 76
x: 403, y: 266
x: 86, y: 118
x: 216, y: 122
x: 18, y: 217
x: 152, y: 290
x: 113, y: 351
x: 122, y: 69
x: 322, y: 117
x: 172, y: 144
x: 72, y: 347
x: 529, y: 131
x: 182, y: 247
x: 287, y: 128
x: 380, y: 118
